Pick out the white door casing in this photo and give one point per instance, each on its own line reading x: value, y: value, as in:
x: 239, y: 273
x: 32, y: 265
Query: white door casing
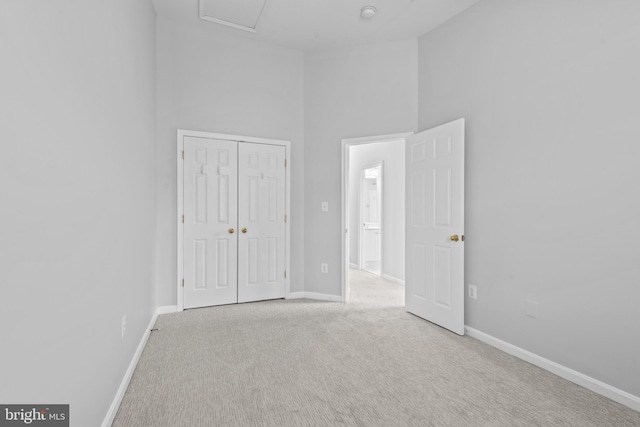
x: 261, y: 218
x: 195, y: 183
x: 371, y: 217
x: 210, y: 212
x: 434, y: 220
x: 346, y: 144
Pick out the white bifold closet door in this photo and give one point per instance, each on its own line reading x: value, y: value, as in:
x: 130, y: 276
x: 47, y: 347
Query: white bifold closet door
x: 261, y: 216
x: 234, y: 222
x: 210, y: 217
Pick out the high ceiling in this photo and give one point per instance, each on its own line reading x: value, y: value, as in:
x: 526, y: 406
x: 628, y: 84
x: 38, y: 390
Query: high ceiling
x: 320, y: 24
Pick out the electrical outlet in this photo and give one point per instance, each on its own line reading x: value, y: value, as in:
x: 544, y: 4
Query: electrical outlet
x: 124, y: 324
x: 324, y: 206
x: 324, y: 267
x: 473, y: 291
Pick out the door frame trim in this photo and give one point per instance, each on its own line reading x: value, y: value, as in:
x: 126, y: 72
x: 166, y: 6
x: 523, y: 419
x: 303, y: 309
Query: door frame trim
x: 361, y: 261
x: 181, y: 134
x: 346, y: 143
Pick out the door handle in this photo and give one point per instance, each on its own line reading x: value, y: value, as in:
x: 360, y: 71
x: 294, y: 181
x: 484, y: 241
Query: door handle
x: 244, y: 230
x: 454, y: 238
x: 231, y: 231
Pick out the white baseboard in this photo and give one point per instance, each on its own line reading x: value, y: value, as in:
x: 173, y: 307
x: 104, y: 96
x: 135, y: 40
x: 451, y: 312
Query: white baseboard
x: 113, y: 409
x: 354, y: 266
x: 392, y: 279
x: 167, y: 309
x: 314, y: 295
x: 576, y: 377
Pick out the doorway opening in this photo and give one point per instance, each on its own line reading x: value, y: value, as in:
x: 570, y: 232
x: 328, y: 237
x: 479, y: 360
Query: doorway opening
x: 373, y: 219
x: 370, y: 225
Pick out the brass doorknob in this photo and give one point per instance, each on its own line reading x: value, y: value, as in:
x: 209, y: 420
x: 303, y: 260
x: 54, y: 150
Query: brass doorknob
x: 244, y: 230
x: 454, y: 238
x: 231, y: 231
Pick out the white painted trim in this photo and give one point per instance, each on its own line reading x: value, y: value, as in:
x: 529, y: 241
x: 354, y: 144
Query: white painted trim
x: 115, y: 404
x: 344, y: 225
x: 378, y: 138
x: 229, y: 137
x: 180, y: 225
x: 361, y: 259
x: 287, y: 208
x: 345, y: 144
x: 569, y: 374
x: 354, y: 266
x: 393, y: 279
x: 295, y: 295
x: 316, y: 296
x: 179, y: 201
x: 167, y: 309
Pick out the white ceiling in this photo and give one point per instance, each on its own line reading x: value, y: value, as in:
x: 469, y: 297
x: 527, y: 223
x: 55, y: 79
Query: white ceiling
x: 245, y: 13
x: 327, y: 24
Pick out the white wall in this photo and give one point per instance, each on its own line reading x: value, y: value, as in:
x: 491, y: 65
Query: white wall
x: 392, y: 154
x: 78, y: 191
x: 364, y: 91
x: 217, y: 80
x: 550, y: 93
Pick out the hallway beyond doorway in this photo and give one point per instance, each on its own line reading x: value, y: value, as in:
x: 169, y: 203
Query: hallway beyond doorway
x: 371, y: 290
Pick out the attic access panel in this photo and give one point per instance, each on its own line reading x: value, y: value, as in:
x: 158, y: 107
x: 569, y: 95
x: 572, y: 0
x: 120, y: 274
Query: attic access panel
x: 243, y: 15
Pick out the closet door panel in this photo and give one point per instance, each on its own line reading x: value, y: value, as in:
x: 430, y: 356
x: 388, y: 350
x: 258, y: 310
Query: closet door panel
x: 210, y: 213
x: 261, y: 222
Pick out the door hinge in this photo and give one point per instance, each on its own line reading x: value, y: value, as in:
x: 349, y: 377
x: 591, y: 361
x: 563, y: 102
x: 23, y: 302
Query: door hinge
x: 285, y: 163
x: 182, y: 154
x: 183, y: 219
x: 183, y: 283
x: 285, y: 274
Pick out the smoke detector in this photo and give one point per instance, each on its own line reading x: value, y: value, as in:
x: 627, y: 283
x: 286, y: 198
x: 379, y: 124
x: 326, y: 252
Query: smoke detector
x: 368, y: 12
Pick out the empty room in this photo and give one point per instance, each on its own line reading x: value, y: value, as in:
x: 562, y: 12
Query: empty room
x: 305, y: 212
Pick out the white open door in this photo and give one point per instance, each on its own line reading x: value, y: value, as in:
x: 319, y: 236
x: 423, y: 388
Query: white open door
x: 261, y: 207
x: 210, y: 215
x: 435, y: 225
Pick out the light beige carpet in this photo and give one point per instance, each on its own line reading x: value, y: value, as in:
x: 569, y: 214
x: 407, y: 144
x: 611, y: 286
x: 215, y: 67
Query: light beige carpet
x: 367, y: 363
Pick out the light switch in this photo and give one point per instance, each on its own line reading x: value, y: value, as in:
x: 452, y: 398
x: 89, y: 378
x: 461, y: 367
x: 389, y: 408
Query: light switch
x: 325, y: 207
